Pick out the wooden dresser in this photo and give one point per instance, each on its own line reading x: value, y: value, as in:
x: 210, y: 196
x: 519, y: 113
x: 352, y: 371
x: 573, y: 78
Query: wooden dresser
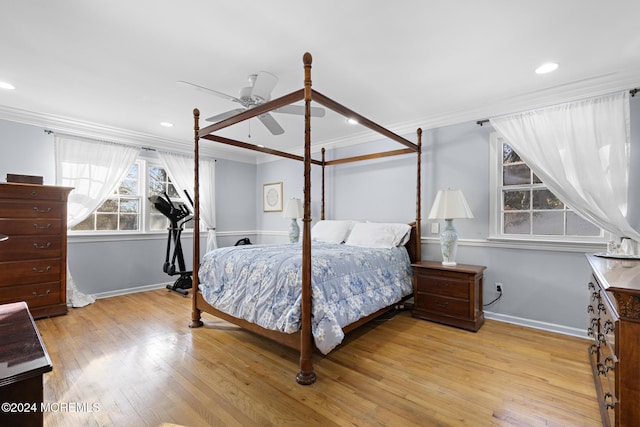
x: 33, y: 259
x: 450, y: 295
x: 614, y: 311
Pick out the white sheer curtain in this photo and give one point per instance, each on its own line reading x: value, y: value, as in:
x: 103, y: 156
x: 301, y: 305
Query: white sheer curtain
x: 94, y: 169
x: 180, y: 168
x: 581, y: 151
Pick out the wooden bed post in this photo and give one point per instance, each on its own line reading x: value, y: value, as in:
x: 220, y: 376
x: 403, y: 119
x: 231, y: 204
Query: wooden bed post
x: 306, y: 375
x: 418, y: 203
x: 196, y: 321
x: 322, y: 205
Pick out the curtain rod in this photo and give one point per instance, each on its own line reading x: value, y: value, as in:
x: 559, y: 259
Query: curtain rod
x: 49, y: 132
x: 632, y: 92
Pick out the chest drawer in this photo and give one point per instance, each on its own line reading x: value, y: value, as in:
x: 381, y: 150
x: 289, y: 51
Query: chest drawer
x: 33, y: 192
x: 35, y: 226
x: 36, y: 295
x: 32, y: 271
x: 442, y: 285
x: 30, y: 209
x: 31, y: 247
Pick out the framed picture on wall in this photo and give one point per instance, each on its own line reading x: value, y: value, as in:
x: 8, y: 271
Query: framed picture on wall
x: 272, y: 197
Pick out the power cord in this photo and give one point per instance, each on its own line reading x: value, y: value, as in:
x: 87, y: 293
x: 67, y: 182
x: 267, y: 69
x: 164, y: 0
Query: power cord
x: 496, y: 299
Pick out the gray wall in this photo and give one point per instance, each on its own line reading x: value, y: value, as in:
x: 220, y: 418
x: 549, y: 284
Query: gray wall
x: 110, y: 264
x: 542, y: 288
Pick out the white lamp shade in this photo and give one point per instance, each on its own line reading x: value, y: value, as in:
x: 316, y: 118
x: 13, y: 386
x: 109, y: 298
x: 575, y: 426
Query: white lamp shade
x: 450, y: 204
x: 294, y: 209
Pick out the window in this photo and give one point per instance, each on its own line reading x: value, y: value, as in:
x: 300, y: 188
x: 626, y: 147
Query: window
x: 523, y: 207
x: 128, y: 209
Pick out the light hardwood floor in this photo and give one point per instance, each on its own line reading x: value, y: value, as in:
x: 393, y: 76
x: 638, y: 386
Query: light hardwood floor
x: 134, y: 360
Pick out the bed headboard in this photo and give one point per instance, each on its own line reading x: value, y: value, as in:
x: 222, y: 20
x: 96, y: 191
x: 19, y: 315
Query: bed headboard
x: 413, y: 245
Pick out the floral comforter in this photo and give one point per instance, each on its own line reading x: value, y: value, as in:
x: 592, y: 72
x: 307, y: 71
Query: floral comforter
x: 262, y: 284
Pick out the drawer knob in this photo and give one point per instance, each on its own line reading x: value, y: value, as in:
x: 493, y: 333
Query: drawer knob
x: 34, y: 194
x: 442, y: 304
x: 46, y: 270
x: 41, y: 227
x: 37, y: 209
x: 41, y: 295
x: 37, y: 246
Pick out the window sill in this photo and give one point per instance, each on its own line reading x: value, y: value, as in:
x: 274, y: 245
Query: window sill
x: 120, y: 237
x: 529, y: 244
x: 548, y: 244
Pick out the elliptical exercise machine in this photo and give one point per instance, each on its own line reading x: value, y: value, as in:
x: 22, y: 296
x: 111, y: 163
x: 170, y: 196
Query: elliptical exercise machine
x: 177, y: 216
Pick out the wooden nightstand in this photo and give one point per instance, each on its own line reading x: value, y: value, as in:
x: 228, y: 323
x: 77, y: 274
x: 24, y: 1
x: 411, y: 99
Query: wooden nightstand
x: 449, y: 295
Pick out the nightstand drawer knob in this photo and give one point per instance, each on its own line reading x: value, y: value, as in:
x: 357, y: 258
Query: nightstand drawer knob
x: 442, y: 304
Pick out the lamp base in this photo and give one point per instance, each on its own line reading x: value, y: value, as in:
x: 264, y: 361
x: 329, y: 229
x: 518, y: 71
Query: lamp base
x: 294, y: 231
x: 449, y: 243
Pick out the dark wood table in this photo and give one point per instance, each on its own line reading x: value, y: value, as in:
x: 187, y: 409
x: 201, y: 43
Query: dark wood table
x: 23, y: 362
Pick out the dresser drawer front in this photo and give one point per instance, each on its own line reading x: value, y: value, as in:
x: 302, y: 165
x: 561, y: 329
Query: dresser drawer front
x: 443, y: 285
x: 29, y: 272
x: 35, y: 226
x: 443, y: 305
x: 36, y: 295
x: 33, y: 192
x: 30, y: 209
x: 31, y: 247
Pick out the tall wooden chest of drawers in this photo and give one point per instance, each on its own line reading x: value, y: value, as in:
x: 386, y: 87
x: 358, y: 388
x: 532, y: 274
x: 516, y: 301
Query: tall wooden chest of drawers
x: 614, y: 311
x: 33, y: 260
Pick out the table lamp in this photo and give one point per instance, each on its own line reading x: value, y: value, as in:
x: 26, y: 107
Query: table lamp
x: 448, y: 205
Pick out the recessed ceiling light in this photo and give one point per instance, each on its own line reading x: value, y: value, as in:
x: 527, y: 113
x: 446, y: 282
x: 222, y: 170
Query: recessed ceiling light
x: 5, y: 85
x: 546, y: 68
x: 166, y: 124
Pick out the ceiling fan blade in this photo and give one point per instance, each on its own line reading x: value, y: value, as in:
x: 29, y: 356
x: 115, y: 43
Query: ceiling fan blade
x: 271, y: 124
x: 264, y: 84
x: 224, y: 115
x: 299, y: 109
x: 207, y: 90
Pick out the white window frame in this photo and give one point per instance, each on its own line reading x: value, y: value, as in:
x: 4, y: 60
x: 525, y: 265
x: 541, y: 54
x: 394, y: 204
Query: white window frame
x: 496, y: 231
x: 145, y: 205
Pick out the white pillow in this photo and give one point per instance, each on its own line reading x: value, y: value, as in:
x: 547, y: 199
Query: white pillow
x: 330, y: 231
x: 378, y: 235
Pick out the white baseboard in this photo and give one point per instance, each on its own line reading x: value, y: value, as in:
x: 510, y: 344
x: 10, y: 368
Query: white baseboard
x: 128, y: 291
x: 535, y: 324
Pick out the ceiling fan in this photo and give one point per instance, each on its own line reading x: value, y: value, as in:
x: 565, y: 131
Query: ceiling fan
x: 259, y: 92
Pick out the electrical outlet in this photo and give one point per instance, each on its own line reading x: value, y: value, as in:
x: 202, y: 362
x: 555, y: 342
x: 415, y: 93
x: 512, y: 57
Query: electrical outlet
x: 435, y: 227
x: 499, y: 287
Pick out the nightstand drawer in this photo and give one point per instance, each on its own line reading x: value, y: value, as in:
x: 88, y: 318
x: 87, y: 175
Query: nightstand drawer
x: 443, y: 285
x: 442, y: 304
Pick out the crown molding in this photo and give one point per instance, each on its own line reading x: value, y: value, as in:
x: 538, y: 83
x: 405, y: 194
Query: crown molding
x: 97, y: 131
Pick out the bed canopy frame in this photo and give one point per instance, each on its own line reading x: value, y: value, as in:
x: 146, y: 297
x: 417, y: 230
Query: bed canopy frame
x: 301, y: 340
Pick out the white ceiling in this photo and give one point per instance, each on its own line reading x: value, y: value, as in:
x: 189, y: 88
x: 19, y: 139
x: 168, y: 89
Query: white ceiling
x: 112, y: 66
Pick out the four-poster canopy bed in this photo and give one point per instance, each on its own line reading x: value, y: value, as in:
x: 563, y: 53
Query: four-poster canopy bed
x: 302, y: 339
